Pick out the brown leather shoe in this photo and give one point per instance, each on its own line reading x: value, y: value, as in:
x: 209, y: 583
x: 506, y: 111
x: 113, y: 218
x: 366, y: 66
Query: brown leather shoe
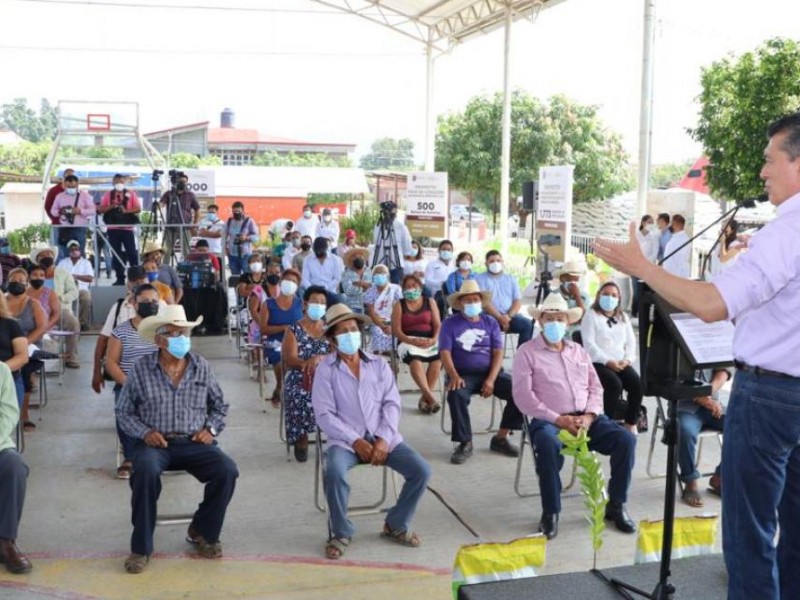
x: 205, y: 548
x: 16, y: 562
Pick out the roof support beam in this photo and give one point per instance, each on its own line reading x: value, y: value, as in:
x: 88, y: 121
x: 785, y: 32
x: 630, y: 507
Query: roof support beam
x: 505, y: 163
x: 646, y: 107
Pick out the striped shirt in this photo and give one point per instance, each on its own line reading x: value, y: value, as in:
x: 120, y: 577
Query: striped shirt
x: 149, y: 402
x: 133, y: 346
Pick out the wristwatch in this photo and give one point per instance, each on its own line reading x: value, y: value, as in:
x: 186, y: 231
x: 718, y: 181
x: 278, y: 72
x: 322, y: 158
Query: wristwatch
x: 212, y: 431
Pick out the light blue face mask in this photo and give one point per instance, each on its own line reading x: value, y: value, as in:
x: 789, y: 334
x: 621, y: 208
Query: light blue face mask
x: 609, y: 303
x: 349, y: 343
x: 554, y: 331
x: 179, y: 346
x: 315, y: 311
x: 445, y: 254
x: 473, y: 309
x: 380, y: 279
x: 72, y: 191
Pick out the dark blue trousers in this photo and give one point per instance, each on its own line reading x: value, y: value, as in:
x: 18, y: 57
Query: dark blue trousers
x: 208, y: 464
x: 458, y: 402
x: 607, y: 438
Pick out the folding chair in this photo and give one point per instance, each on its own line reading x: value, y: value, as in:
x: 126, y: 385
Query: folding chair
x: 182, y: 518
x: 507, y: 344
x: 489, y: 429
x: 20, y: 437
x: 659, y: 423
x: 233, y: 305
x: 41, y: 373
x: 518, y: 476
x: 319, y: 485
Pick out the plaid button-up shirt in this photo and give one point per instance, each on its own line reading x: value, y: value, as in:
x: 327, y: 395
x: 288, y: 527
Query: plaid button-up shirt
x: 150, y: 402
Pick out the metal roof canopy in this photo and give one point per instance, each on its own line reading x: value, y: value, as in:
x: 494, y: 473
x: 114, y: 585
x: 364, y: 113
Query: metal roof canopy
x: 439, y: 25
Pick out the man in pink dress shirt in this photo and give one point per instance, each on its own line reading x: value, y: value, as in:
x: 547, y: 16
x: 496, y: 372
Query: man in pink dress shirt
x: 72, y: 207
x: 555, y: 384
x: 357, y: 406
x: 761, y: 455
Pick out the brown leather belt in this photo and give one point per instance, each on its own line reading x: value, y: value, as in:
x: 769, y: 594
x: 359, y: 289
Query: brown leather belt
x: 759, y: 372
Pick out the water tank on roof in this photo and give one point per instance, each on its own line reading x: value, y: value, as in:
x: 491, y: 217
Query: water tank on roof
x: 226, y: 118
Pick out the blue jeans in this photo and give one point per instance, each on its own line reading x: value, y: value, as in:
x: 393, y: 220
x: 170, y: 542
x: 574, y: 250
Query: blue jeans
x: 521, y: 326
x: 19, y: 387
x: 403, y: 459
x: 237, y: 264
x: 127, y: 442
x: 206, y: 463
x: 607, y: 438
x: 691, y: 424
x: 761, y: 488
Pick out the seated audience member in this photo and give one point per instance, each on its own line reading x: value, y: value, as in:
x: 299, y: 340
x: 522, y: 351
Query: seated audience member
x: 323, y: 269
x: 13, y: 478
x: 569, y: 276
x: 8, y: 260
x: 609, y: 339
x: 273, y: 279
x: 304, y: 345
x: 506, y: 298
x: 356, y: 279
x: 357, y: 405
x: 277, y: 316
x: 556, y: 385
x: 305, y: 251
x: 125, y: 347
x: 462, y: 273
x: 437, y: 272
x: 122, y: 310
x: 705, y: 412
x: 18, y: 323
x: 416, y: 264
x: 182, y: 438
x: 329, y: 229
x: 62, y: 284
x: 252, y: 289
x: 378, y: 303
x: 291, y: 251
x: 202, y: 253
x: 152, y: 273
x: 83, y: 273
x: 416, y: 324
x: 210, y: 301
x: 471, y: 348
x: 166, y: 274
x: 348, y: 244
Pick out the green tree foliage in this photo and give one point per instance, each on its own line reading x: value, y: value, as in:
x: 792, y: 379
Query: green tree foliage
x: 23, y: 120
x: 668, y: 175
x: 185, y: 160
x: 740, y: 97
x: 362, y: 222
x: 22, y: 240
x: 311, y: 159
x: 25, y: 158
x: 468, y: 146
x: 389, y: 153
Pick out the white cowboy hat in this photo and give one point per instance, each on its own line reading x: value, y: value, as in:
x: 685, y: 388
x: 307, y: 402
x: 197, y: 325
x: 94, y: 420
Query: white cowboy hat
x: 572, y: 267
x: 151, y: 247
x: 338, y: 313
x: 555, y: 303
x: 37, y: 250
x: 470, y: 286
x: 171, y: 314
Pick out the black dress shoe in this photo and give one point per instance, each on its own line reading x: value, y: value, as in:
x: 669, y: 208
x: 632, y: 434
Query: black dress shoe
x: 549, y: 525
x: 622, y: 520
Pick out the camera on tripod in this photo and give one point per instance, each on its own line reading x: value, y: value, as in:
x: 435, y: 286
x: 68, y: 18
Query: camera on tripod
x: 175, y: 175
x: 388, y: 211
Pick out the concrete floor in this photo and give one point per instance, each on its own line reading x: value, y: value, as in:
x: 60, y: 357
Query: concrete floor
x: 76, y: 524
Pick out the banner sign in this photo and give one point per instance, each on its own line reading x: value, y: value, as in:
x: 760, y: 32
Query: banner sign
x: 201, y: 181
x: 426, y: 204
x: 554, y: 211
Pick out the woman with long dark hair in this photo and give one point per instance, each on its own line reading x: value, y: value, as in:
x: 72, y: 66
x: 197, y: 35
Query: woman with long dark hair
x: 609, y: 339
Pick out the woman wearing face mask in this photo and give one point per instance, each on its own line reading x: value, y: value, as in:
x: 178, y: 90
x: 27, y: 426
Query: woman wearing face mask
x: 356, y: 279
x: 462, y: 273
x: 252, y: 291
x: 609, y: 339
x: 13, y: 343
x: 417, y: 264
x: 45, y: 296
x: 273, y: 280
x: 728, y: 248
x: 277, y: 315
x: 164, y: 291
x: 304, y: 345
x: 415, y: 324
x: 437, y: 272
x: 125, y: 347
x: 32, y: 320
x: 378, y: 303
x: 647, y: 236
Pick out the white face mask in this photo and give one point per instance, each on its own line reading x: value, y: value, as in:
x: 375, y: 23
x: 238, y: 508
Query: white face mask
x: 119, y: 186
x: 307, y: 214
x: 327, y: 219
x: 495, y: 267
x: 256, y: 267
x: 650, y: 227
x: 465, y: 265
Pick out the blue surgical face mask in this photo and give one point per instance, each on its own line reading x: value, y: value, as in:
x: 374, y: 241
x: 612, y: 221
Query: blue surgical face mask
x: 554, y: 331
x: 473, y: 309
x: 446, y: 254
x: 152, y: 276
x: 179, y: 346
x: 349, y: 343
x: 315, y: 311
x: 380, y: 279
x: 608, y: 303
x: 71, y: 191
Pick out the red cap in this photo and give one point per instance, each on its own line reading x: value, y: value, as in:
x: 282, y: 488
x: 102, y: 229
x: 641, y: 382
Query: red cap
x: 351, y: 233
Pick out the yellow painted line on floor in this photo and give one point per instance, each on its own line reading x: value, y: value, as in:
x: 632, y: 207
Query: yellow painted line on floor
x: 175, y: 577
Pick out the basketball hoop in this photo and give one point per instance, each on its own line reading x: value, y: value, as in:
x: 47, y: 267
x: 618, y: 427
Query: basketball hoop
x: 98, y: 122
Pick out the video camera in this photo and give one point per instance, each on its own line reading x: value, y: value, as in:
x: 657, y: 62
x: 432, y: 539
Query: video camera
x: 174, y: 175
x: 69, y: 214
x: 388, y: 210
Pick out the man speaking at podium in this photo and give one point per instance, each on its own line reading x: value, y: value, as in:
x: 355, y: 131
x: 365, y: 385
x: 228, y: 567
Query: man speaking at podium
x: 760, y: 293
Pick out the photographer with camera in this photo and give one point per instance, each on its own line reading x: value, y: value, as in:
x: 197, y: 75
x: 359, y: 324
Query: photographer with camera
x: 73, y: 207
x: 240, y: 235
x: 392, y: 242
x: 120, y: 208
x: 182, y: 212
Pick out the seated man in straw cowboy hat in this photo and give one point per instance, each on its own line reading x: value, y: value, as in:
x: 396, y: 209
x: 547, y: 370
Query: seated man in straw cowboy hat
x: 471, y: 349
x: 173, y: 406
x: 357, y: 405
x: 556, y: 385
x: 166, y: 274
